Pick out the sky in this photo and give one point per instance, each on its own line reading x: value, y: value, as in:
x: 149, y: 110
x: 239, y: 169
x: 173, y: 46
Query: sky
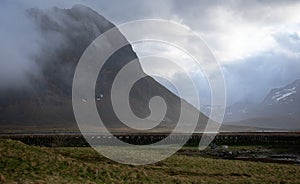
x: 256, y: 42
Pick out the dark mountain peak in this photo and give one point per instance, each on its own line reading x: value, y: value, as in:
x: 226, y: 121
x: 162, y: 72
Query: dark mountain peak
x: 66, y: 34
x: 79, y: 8
x: 70, y: 21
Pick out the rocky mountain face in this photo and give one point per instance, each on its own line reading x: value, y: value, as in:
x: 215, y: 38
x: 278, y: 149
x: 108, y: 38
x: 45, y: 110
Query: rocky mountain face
x: 47, y: 102
x: 279, y: 109
x: 285, y: 100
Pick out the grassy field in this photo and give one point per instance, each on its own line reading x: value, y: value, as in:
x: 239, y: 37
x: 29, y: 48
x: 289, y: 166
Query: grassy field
x: 20, y: 163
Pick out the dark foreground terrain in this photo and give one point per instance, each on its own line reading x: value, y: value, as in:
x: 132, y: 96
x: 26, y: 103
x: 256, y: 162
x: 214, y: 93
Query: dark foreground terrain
x: 21, y: 163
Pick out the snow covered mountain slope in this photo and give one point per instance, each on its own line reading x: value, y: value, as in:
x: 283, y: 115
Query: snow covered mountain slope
x: 279, y: 109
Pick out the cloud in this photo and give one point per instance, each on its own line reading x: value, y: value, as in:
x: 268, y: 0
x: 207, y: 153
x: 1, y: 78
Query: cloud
x: 239, y: 29
x: 289, y: 42
x: 18, y: 45
x: 22, y: 42
x: 251, y: 79
x: 255, y: 41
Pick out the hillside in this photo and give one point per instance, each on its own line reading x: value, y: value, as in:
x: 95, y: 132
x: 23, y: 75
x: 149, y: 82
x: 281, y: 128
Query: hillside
x: 46, y: 103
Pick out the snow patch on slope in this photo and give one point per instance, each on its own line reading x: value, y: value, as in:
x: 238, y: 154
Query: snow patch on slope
x: 281, y: 95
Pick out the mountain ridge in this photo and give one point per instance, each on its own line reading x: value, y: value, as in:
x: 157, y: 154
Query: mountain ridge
x: 67, y: 33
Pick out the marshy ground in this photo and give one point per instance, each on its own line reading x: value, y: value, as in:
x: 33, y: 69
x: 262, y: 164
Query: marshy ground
x: 20, y: 163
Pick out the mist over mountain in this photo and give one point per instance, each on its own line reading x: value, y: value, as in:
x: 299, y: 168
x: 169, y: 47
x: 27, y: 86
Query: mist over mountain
x: 47, y: 102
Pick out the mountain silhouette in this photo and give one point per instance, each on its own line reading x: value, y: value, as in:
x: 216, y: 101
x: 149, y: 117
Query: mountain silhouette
x: 48, y: 100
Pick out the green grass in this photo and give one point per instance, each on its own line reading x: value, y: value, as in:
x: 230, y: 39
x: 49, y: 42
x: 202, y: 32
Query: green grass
x: 20, y: 163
